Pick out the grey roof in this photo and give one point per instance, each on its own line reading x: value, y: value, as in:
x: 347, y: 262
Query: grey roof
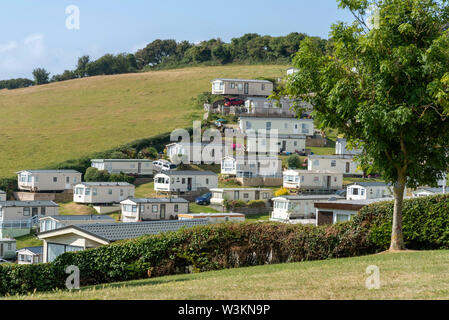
x: 120, y: 231
x: 360, y: 202
x: 121, y: 160
x: 243, y: 80
x: 158, y: 200
x: 333, y: 156
x: 187, y: 173
x: 370, y: 184
x: 429, y: 189
x: 50, y: 171
x: 311, y: 197
x: 81, y: 217
x: 28, y: 204
x: 250, y: 115
x: 35, y: 250
x: 105, y: 184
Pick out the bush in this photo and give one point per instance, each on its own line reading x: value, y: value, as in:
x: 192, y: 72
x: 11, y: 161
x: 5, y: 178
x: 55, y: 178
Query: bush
x: 294, y: 161
x: 256, y: 204
x: 230, y: 245
x: 281, y: 192
x: 94, y: 175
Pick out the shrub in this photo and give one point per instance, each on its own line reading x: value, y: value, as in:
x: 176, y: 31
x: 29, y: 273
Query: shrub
x: 294, y: 161
x: 94, y: 175
x: 256, y: 204
x: 281, y: 192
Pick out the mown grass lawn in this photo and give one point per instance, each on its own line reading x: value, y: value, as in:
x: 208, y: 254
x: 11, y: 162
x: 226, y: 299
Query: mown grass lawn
x: 29, y: 240
x: 69, y: 119
x: 408, y: 275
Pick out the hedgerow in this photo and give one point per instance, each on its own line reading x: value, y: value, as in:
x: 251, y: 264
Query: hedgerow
x: 232, y: 245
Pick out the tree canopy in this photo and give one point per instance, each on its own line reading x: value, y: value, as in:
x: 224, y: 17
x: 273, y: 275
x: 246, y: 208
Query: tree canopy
x: 384, y: 86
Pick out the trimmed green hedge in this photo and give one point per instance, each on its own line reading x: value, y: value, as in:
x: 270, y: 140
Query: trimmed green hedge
x: 231, y: 245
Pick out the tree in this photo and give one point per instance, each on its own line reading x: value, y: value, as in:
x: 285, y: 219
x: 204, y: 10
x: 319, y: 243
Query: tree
x: 294, y: 161
x: 81, y: 68
x: 41, y: 76
x: 385, y: 87
x: 94, y: 175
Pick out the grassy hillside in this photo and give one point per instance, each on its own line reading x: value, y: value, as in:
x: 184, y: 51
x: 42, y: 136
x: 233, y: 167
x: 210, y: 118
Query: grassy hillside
x: 48, y: 124
x: 409, y: 275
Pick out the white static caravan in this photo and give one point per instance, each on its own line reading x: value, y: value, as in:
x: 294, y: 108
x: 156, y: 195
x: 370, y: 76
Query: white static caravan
x: 2, y: 195
x: 47, y: 180
x: 184, y: 181
x: 18, y: 217
x: 337, y: 163
x: 102, y: 192
x: 427, y: 191
x: 128, y: 166
x: 48, y: 223
x: 252, y: 166
x: 312, y: 180
x: 330, y: 212
x: 291, y: 71
x: 247, y: 87
x: 340, y: 148
x: 213, y: 217
x: 368, y: 190
x: 297, y: 209
x: 136, y: 210
x: 282, y: 143
x: 204, y: 152
x: 250, y: 124
x: 30, y: 255
x: 244, y: 194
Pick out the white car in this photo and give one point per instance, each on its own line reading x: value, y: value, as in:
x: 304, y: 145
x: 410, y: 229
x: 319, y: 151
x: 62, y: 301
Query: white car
x: 3, y: 261
x: 163, y: 165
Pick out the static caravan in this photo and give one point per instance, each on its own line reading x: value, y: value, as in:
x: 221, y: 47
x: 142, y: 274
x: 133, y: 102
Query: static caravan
x: 247, y: 87
x: 30, y: 255
x: 340, y: 148
x: 55, y: 222
x: 281, y: 143
x: 368, y: 190
x: 244, y: 194
x: 337, y: 163
x: 213, y: 217
x: 135, y: 210
x: 204, y: 152
x: 102, y: 192
x: 128, y: 166
x: 284, y: 125
x: 312, y: 180
x: 252, y: 166
x: 291, y: 71
x: 18, y: 217
x: 297, y: 209
x: 2, y: 195
x: 427, y: 191
x: 7, y: 248
x: 47, y: 180
x: 184, y: 181
x: 85, y: 236
x: 330, y: 212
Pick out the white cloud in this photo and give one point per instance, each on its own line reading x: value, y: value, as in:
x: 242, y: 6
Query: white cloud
x: 19, y: 58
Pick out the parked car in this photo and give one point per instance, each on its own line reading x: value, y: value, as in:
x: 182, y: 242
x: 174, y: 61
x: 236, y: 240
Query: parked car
x: 341, y: 193
x: 233, y: 102
x: 162, y: 165
x: 204, y: 199
x: 3, y: 261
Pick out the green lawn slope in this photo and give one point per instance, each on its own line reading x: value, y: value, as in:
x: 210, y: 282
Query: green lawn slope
x: 48, y: 124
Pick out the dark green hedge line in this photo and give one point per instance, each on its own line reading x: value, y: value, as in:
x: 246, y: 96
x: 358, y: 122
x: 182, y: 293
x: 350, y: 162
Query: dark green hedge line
x: 231, y: 245
x: 129, y: 150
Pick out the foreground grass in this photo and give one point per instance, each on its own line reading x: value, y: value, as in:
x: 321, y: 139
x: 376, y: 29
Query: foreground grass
x: 69, y: 119
x: 409, y: 275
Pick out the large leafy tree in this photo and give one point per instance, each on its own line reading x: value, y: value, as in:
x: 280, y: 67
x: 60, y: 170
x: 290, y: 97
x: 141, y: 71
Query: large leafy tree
x: 385, y: 86
x: 41, y: 76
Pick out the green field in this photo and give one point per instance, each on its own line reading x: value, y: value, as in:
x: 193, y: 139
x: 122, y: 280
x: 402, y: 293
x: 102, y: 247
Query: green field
x: 407, y: 275
x: 48, y: 124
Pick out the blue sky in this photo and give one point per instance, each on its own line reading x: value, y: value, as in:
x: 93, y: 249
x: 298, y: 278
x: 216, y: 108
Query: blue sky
x: 34, y: 32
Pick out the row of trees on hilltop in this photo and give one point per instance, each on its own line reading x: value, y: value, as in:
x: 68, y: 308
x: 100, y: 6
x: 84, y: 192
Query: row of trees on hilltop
x: 160, y: 54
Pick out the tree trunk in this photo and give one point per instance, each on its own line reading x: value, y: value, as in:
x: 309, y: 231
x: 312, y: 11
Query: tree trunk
x: 397, y: 238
